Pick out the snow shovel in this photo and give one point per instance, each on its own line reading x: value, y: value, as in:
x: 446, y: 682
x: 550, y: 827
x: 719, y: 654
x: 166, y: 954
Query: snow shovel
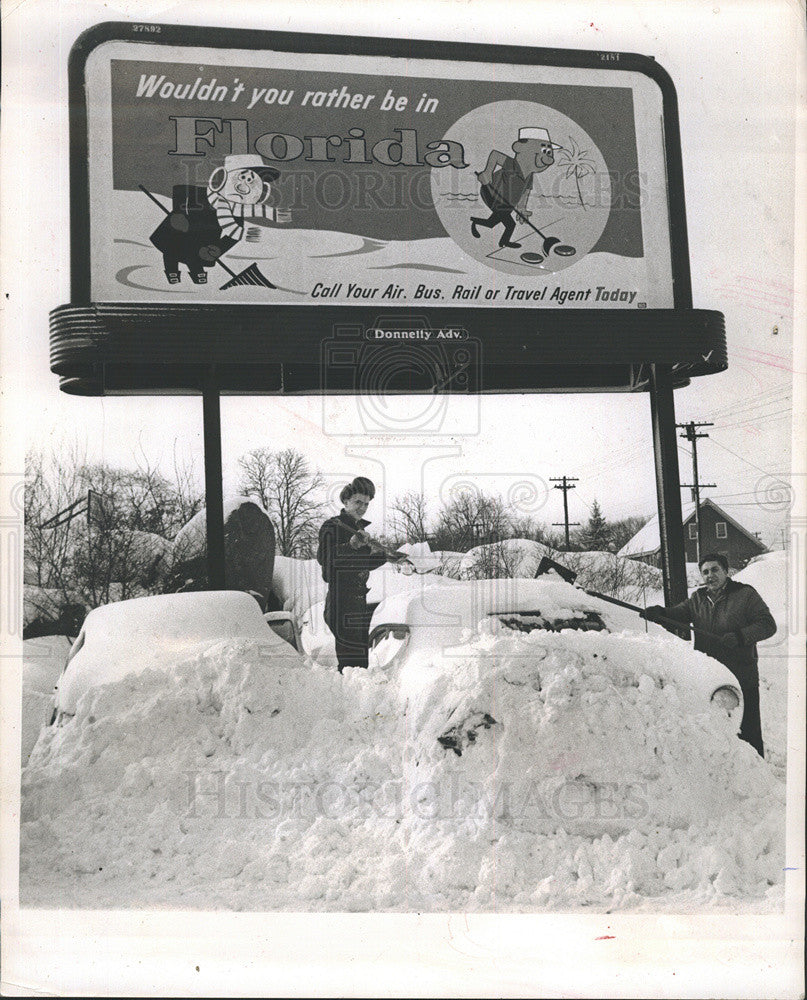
x: 368, y: 539
x: 546, y: 565
x: 400, y: 560
x: 249, y: 276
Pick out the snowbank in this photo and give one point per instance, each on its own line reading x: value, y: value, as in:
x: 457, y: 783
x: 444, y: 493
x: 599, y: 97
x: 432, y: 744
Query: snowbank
x: 625, y: 579
x: 43, y: 660
x: 157, y: 632
x: 526, y: 771
x: 297, y: 584
x: 769, y: 574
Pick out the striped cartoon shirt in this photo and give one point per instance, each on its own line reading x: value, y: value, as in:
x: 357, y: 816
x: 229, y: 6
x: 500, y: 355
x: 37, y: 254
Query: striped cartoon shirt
x: 230, y: 214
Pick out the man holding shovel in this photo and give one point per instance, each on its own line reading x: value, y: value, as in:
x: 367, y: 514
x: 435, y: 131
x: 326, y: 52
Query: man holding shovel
x: 729, y: 619
x: 507, y: 181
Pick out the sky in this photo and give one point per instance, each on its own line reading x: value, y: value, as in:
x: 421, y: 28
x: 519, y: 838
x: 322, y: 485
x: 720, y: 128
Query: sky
x: 734, y: 68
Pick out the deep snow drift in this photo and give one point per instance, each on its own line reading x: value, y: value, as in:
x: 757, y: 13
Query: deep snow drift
x: 771, y: 576
x: 539, y: 771
x: 43, y: 661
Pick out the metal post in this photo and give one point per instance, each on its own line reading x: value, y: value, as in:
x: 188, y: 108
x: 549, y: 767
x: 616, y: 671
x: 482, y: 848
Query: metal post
x: 214, y: 500
x: 668, y: 486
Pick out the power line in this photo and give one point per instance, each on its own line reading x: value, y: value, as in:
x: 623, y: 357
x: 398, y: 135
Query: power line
x: 734, y: 453
x: 742, y: 493
x: 763, y: 418
x: 776, y: 395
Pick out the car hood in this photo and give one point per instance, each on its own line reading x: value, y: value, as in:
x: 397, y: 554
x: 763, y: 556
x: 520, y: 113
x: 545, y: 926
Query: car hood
x: 463, y: 603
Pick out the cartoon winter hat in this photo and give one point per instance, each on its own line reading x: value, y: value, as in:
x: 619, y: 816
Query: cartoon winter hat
x: 537, y: 133
x: 250, y: 161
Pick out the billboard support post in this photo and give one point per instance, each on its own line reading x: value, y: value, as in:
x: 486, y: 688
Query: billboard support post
x: 668, y: 490
x: 214, y: 497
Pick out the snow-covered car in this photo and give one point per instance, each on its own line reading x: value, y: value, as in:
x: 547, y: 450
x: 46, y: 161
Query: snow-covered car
x: 156, y: 633
x: 409, y: 628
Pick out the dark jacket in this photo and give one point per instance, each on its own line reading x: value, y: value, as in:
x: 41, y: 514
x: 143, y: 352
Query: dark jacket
x: 191, y: 233
x: 344, y: 568
x: 738, y: 611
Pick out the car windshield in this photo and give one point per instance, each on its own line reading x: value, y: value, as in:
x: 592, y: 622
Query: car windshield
x: 528, y: 621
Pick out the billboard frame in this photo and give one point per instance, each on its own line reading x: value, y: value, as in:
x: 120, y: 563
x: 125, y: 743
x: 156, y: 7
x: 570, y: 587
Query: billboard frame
x: 191, y: 36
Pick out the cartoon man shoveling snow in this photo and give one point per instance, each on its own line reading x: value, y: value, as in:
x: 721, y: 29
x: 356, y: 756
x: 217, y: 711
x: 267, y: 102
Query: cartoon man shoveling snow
x: 507, y: 181
x: 204, y: 224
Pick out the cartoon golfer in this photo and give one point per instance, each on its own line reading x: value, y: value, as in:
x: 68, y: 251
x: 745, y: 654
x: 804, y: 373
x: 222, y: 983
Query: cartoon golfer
x: 507, y: 181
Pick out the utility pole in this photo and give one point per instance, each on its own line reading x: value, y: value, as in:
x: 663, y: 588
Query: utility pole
x: 564, y: 482
x: 691, y: 435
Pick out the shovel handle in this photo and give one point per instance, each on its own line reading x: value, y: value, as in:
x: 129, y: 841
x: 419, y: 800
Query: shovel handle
x: 547, y: 564
x: 661, y: 620
x: 159, y: 204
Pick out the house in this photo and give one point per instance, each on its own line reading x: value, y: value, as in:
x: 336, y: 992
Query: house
x: 719, y: 533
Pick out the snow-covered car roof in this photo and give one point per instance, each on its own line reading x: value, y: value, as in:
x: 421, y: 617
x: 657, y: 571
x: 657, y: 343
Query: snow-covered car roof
x: 128, y: 637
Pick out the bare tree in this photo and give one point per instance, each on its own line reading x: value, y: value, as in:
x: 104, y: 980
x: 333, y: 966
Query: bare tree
x: 291, y: 494
x: 51, y: 485
x: 409, y: 517
x: 95, y: 533
x: 471, y: 518
x: 614, y: 575
x: 495, y: 561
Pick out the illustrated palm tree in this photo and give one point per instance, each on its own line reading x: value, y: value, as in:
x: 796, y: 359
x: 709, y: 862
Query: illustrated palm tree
x: 578, y: 164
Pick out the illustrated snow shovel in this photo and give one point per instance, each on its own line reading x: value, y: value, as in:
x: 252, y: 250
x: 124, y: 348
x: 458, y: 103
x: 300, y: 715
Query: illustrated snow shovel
x: 251, y: 275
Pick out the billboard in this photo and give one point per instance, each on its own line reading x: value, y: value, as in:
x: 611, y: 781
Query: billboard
x: 263, y: 175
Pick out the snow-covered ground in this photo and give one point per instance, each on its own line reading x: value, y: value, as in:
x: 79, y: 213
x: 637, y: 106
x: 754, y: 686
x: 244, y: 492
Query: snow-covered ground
x: 242, y: 780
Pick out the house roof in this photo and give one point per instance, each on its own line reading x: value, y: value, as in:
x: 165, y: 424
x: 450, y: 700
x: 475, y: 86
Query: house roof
x: 647, y: 540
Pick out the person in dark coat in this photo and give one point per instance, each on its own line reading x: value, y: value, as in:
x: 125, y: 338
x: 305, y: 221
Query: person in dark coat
x: 733, y: 619
x: 347, y: 556
x: 190, y: 235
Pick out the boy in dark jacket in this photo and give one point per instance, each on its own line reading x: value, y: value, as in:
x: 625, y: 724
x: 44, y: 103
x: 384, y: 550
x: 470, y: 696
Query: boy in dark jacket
x: 736, y: 618
x: 347, y: 556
